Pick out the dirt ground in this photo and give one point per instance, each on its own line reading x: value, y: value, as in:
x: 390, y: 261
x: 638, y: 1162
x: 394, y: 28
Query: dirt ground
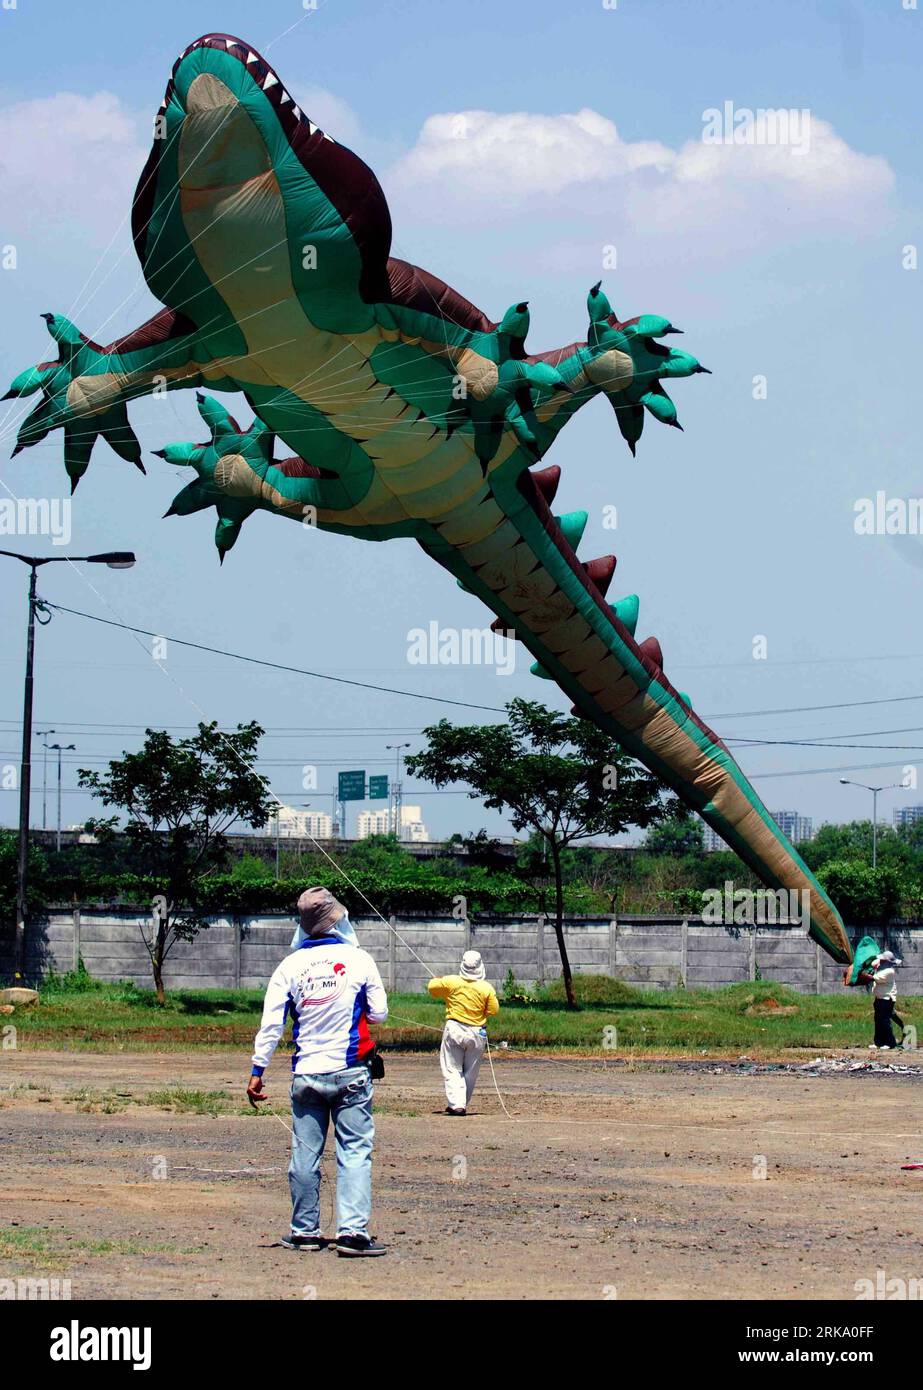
x: 604, y: 1181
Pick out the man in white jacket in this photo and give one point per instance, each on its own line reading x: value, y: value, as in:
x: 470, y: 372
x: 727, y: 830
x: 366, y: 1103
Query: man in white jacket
x: 331, y: 990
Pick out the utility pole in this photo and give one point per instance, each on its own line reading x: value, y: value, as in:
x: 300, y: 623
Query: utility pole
x: 398, y: 749
x: 115, y: 559
x: 61, y: 748
x: 845, y: 781
x: 25, y: 789
x: 43, y: 734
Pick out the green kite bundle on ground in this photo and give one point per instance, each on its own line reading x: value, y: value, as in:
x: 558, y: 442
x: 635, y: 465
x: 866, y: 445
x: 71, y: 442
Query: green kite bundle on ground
x: 866, y: 951
x: 408, y: 412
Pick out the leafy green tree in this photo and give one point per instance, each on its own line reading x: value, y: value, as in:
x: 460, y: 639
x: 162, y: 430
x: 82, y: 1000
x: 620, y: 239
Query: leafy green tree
x: 864, y: 895
x: 179, y: 798
x: 911, y: 835
x: 853, y: 841
x: 9, y: 865
x: 679, y: 833
x: 483, y: 850
x: 562, y: 778
x: 250, y: 868
x: 379, y: 854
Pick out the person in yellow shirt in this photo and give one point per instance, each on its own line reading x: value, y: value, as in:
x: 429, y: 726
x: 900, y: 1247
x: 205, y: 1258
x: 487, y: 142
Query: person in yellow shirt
x: 469, y: 1002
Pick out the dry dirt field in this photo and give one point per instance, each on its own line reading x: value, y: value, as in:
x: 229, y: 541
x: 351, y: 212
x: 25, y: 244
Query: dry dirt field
x: 605, y: 1181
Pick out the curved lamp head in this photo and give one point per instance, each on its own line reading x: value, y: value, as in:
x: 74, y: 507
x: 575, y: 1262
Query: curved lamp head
x: 115, y: 559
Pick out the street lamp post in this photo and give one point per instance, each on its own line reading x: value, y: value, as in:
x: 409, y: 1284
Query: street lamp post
x: 398, y: 749
x: 115, y: 559
x: 61, y: 748
x: 846, y: 782
x: 43, y: 734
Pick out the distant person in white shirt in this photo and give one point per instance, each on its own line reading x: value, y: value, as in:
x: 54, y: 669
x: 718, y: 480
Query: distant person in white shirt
x: 881, y: 975
x: 331, y: 989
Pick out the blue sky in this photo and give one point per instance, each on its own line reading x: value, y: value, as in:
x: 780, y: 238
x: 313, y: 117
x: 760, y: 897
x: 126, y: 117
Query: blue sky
x: 587, y: 129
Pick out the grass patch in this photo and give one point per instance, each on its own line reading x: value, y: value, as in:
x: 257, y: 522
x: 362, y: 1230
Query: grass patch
x: 613, y: 1018
x: 595, y: 990
x: 44, y: 1249
x: 186, y: 1102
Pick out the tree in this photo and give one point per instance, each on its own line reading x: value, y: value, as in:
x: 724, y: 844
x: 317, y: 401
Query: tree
x: 561, y: 777
x: 9, y: 863
x: 853, y: 841
x: 180, y: 798
x: 483, y: 850
x: 250, y: 868
x: 679, y: 833
x: 378, y: 853
x: 865, y: 895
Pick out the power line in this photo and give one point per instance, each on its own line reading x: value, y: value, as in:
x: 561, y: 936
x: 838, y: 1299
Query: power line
x: 810, y: 743
x: 275, y: 665
x: 817, y: 771
x: 804, y: 709
x: 416, y: 695
x: 118, y: 730
x: 862, y: 733
x: 798, y: 661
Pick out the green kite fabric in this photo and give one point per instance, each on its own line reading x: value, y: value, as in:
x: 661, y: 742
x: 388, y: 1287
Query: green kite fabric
x: 408, y: 411
x: 867, y: 950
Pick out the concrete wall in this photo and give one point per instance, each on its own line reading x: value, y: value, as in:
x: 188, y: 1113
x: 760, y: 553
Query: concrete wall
x: 659, y: 952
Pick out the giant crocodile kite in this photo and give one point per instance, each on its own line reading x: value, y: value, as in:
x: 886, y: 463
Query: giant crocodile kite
x: 410, y: 413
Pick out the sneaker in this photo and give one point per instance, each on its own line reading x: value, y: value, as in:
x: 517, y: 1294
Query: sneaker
x: 293, y: 1242
x: 358, y: 1247
x: 450, y: 1111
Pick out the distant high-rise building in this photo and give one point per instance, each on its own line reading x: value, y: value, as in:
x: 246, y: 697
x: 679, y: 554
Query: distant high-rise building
x: 797, y: 827
x: 907, y: 815
x: 373, y: 823
x: 412, y: 827
x: 713, y: 840
x: 295, y: 824
x: 380, y: 823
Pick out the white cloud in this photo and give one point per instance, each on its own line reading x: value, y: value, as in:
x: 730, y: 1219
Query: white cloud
x: 823, y: 166
x: 477, y: 156
x: 70, y: 159
x: 522, y: 154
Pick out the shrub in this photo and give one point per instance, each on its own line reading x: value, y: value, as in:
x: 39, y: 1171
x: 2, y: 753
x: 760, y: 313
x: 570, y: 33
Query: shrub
x: 592, y: 989
x: 516, y: 993
x: 862, y: 894
x: 9, y: 863
x: 80, y: 981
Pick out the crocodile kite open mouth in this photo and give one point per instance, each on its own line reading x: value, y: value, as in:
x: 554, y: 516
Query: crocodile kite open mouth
x: 408, y: 410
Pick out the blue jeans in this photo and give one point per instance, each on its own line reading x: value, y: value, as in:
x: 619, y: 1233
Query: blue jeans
x: 347, y: 1096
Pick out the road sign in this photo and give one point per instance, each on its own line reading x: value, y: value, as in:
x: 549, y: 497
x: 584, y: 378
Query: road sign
x: 351, y: 786
x: 378, y: 788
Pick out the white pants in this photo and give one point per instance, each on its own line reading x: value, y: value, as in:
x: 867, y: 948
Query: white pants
x: 460, y: 1059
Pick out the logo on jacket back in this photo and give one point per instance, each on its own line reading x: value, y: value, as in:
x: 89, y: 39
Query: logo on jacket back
x: 321, y: 984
